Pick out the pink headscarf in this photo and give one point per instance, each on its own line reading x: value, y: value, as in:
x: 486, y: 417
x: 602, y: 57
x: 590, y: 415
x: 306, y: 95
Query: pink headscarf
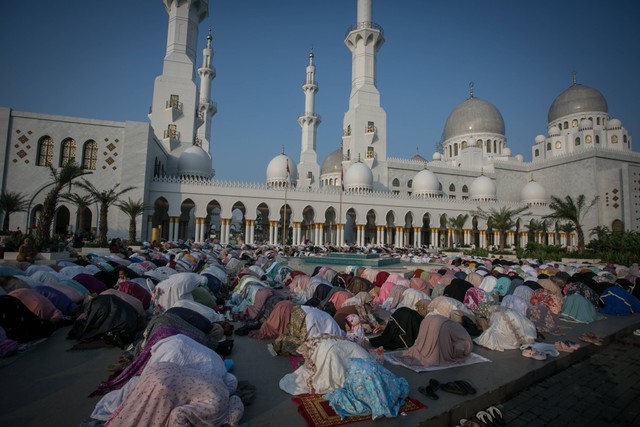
x: 418, y: 283
x: 384, y: 292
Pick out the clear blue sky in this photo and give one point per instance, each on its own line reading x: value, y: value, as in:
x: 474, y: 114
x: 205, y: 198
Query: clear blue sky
x: 98, y: 59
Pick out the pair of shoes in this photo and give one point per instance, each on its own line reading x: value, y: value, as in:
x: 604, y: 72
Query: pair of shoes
x: 591, y: 338
x: 469, y: 423
x: 496, y: 416
x: 567, y: 346
x: 460, y: 387
x: 534, y: 354
x: 636, y: 332
x: 430, y: 390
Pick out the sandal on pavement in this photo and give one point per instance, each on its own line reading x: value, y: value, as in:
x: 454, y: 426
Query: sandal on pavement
x: 468, y: 423
x: 497, y: 415
x: 591, y: 338
x: 636, y: 332
x: 466, y: 386
x: 574, y: 345
x: 454, y: 388
x: 430, y: 390
x: 563, y: 347
x: 485, y: 418
x: 534, y: 354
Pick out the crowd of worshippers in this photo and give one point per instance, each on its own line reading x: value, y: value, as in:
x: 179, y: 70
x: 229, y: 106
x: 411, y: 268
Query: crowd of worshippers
x: 174, y: 309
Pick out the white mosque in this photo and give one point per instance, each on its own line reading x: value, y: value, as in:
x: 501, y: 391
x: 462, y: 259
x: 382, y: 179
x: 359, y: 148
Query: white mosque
x: 358, y: 194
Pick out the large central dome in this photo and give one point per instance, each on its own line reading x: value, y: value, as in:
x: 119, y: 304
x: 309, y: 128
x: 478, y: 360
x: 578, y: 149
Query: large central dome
x: 577, y: 99
x: 473, y: 116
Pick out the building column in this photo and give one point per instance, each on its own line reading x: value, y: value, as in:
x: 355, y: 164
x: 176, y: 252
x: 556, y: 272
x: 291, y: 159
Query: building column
x: 563, y: 239
x: 197, y: 231
x: 552, y: 238
x: 340, y: 234
x: 483, y: 238
x: 149, y: 228
x: 434, y: 237
x: 417, y: 237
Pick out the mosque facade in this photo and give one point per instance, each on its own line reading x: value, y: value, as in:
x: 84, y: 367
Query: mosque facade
x: 358, y: 194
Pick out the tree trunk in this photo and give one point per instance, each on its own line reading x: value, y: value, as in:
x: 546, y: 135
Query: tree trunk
x: 503, y: 239
x: 80, y: 228
x: 132, y: 230
x: 103, y: 227
x: 580, y: 234
x: 5, y: 223
x: 43, y: 232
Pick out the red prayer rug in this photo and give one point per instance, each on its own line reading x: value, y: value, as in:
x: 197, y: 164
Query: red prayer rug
x: 296, y: 361
x: 317, y: 411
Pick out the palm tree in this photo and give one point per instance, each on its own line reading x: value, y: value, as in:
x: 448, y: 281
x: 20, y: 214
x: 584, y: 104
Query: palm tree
x: 60, y: 179
x: 502, y: 220
x: 11, y: 202
x: 573, y: 211
x: 457, y: 223
x: 82, y: 203
x: 105, y: 198
x: 536, y: 226
x: 134, y: 209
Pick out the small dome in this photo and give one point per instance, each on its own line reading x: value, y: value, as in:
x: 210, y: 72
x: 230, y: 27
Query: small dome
x: 577, y: 99
x: 506, y: 151
x: 533, y: 193
x: 482, y: 188
x: 585, y: 124
x: 277, y: 170
x: 519, y: 158
x: 437, y: 156
x: 473, y: 116
x: 194, y: 161
x: 358, y: 177
x: 554, y: 130
x: 614, y: 124
x: 426, y: 183
x: 540, y: 139
x: 333, y: 162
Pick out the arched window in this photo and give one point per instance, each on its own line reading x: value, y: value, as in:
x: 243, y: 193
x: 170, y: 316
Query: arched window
x: 565, y: 125
x: 495, y: 147
x: 597, y: 139
x: 465, y: 189
x: 536, y: 153
x: 410, y: 183
x: 624, y: 138
x: 450, y: 155
x: 574, y: 123
x: 455, y: 149
x: 90, y: 155
x: 440, y: 187
x: 68, y: 153
x: 452, y: 187
x: 548, y: 146
x: 577, y: 141
x: 588, y: 139
x: 558, y: 145
x: 45, y: 151
x: 598, y: 120
x: 396, y: 182
x: 479, y: 143
x: 464, y: 145
x: 614, y: 139
x: 488, y: 145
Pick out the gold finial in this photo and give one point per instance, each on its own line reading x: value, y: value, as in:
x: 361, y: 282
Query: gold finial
x: 311, y: 52
x: 531, y: 178
x: 358, y: 157
x: 282, y: 148
x: 209, y: 35
x: 471, y: 89
x: 426, y: 164
x: 573, y: 77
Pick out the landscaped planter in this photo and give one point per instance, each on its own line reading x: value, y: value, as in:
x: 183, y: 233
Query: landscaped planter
x: 581, y: 260
x: 40, y: 256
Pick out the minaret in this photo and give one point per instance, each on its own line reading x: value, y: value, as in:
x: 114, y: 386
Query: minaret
x: 207, y: 108
x: 308, y: 168
x: 174, y: 115
x: 365, y: 124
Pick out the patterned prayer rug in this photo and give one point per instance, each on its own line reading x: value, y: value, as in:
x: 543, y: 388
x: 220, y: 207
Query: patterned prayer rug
x: 317, y: 411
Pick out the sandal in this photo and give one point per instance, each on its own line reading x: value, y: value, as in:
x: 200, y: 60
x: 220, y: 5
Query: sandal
x: 497, y: 415
x: 485, y: 418
x: 466, y: 386
x: 562, y: 346
x: 534, y: 354
x: 468, y: 423
x: 591, y: 338
x: 572, y: 344
x: 453, y: 387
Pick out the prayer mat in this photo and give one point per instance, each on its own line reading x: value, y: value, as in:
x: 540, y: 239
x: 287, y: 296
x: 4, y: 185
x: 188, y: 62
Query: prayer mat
x: 473, y: 358
x: 296, y: 361
x: 317, y: 411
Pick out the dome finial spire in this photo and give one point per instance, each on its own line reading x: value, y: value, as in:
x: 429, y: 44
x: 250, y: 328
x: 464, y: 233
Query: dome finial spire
x: 531, y: 179
x: 573, y: 77
x: 282, y: 148
x: 471, y: 89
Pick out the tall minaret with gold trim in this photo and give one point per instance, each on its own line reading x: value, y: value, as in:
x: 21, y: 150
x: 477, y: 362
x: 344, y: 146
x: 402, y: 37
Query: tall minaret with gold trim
x: 207, y: 108
x: 365, y: 124
x: 308, y: 168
